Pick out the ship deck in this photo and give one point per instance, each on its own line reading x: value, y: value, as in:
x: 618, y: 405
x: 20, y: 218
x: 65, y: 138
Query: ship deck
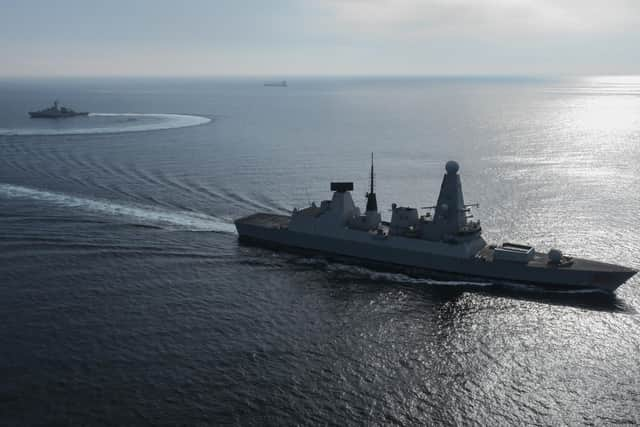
x: 265, y: 220
x: 541, y: 260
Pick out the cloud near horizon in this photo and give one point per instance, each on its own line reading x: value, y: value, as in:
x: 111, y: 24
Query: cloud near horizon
x: 287, y: 37
x: 475, y: 17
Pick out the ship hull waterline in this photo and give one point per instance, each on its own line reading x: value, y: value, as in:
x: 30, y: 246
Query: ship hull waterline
x: 36, y: 115
x: 433, y: 266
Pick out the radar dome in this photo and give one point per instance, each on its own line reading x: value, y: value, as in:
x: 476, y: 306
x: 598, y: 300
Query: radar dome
x: 452, y: 167
x: 555, y: 256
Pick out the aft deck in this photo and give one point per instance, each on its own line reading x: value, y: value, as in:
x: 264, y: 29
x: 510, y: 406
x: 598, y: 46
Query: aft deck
x: 265, y: 220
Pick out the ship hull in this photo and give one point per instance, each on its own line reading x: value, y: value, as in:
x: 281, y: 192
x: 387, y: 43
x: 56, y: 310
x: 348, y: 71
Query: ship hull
x: 427, y: 258
x: 38, y: 115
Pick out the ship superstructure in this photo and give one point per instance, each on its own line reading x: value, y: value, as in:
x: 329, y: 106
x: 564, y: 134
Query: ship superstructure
x: 443, y: 241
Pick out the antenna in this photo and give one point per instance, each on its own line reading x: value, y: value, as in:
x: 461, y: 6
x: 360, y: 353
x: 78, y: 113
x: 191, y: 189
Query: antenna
x: 372, y: 204
x: 372, y: 174
x: 371, y: 177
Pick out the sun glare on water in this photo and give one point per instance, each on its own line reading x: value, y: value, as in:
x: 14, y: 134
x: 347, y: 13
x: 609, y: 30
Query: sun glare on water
x: 610, y: 105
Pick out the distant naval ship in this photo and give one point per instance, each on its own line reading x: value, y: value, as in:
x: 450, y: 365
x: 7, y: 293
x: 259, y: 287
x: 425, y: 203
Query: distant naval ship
x: 444, y: 241
x: 56, y: 112
x: 282, y: 83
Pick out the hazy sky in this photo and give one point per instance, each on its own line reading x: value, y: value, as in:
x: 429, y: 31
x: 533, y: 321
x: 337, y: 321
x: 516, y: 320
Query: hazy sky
x: 330, y: 37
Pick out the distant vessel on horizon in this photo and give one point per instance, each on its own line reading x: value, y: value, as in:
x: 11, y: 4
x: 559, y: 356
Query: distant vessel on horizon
x: 55, y: 112
x: 282, y: 83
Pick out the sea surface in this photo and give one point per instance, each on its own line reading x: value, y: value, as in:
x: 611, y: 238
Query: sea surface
x: 126, y: 299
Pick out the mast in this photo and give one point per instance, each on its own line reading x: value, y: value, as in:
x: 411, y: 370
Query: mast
x: 372, y: 204
x: 371, y: 187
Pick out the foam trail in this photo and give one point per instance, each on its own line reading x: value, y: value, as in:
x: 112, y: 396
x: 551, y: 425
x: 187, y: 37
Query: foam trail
x: 165, y: 121
x: 400, y: 277
x: 380, y: 276
x: 144, y: 214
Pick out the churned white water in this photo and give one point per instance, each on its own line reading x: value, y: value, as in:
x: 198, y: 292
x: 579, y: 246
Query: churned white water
x: 134, y: 122
x: 140, y: 213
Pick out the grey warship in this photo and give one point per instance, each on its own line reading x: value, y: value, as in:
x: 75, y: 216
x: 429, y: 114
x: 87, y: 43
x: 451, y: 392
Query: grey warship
x: 443, y: 242
x: 56, y: 112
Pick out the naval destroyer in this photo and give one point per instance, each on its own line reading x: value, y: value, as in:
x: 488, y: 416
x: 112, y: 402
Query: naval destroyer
x: 443, y: 242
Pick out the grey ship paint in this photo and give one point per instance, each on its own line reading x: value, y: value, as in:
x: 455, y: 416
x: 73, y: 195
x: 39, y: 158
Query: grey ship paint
x: 445, y: 242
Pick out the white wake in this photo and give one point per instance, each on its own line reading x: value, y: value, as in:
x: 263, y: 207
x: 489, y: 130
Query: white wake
x: 142, y: 214
x: 158, y: 122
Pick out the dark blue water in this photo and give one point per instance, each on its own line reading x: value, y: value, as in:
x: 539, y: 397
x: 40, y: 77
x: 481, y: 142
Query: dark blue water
x: 125, y: 297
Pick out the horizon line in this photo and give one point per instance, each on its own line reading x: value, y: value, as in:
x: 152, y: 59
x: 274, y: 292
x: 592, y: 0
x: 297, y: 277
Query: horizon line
x: 305, y: 76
